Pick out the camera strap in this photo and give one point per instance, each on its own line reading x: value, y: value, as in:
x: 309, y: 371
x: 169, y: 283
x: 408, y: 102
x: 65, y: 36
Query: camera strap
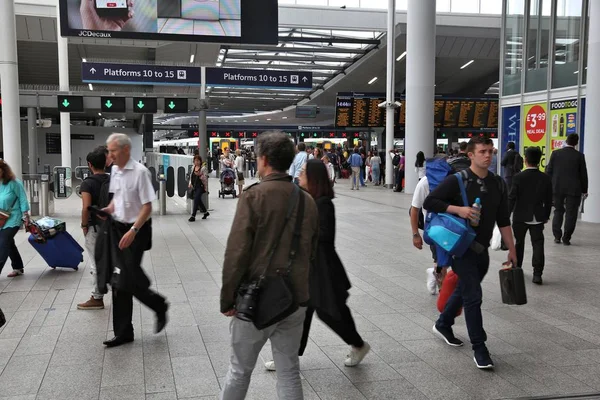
x: 293, y: 200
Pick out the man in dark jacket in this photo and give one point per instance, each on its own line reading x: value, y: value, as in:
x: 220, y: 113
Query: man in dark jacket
x: 508, y: 162
x: 530, y: 201
x: 569, y: 175
x: 256, y: 232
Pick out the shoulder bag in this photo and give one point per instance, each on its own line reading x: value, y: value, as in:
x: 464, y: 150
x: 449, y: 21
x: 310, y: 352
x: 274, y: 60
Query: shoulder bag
x: 5, y: 214
x: 274, y: 295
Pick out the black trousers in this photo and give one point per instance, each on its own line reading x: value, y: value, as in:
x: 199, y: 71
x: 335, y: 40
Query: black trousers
x: 198, y: 203
x: 537, y: 242
x: 123, y: 299
x: 344, y: 327
x: 508, y: 180
x: 569, y: 205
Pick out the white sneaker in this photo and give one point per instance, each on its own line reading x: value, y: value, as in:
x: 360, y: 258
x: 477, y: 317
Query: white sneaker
x: 357, y: 355
x: 270, y: 365
x: 431, y: 281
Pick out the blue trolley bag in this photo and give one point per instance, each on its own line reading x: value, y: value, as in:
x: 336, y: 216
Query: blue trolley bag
x: 448, y: 232
x: 60, y: 250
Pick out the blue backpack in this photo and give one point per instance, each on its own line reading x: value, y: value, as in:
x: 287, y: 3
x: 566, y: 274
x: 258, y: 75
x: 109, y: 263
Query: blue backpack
x: 450, y: 233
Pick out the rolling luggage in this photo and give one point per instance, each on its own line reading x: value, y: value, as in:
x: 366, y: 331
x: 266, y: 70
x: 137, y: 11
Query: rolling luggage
x: 450, y: 283
x: 51, y: 240
x: 512, y: 286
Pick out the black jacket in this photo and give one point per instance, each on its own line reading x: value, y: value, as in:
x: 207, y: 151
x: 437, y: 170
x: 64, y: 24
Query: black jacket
x: 530, y: 195
x: 568, y: 171
x: 508, y: 161
x: 328, y: 284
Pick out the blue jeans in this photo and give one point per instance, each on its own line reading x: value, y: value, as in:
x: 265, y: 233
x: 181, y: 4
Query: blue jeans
x: 8, y: 248
x: 471, y: 270
x: 252, y: 168
x: 375, y: 175
x: 363, y: 171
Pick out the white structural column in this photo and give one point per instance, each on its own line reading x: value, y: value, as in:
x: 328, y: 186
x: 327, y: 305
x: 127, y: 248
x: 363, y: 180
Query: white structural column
x: 202, y: 134
x: 63, y: 82
x: 592, y: 117
x: 9, y: 81
x: 420, y: 82
x: 389, y: 100
x: 32, y: 139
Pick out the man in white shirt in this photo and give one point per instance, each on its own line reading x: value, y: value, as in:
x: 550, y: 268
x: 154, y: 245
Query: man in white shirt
x: 131, y: 208
x: 298, y: 163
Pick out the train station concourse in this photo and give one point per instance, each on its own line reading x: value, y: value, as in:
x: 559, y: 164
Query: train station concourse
x: 139, y: 183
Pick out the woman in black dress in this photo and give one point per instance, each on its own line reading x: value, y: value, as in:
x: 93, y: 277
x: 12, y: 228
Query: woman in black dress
x: 329, y: 283
x: 199, y: 184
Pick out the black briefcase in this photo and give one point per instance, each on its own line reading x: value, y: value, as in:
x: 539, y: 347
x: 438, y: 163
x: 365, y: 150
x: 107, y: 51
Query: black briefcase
x: 512, y: 286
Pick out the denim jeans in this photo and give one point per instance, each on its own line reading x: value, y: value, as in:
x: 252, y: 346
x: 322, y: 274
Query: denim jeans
x: 363, y: 171
x: 375, y: 175
x: 8, y: 248
x: 471, y: 269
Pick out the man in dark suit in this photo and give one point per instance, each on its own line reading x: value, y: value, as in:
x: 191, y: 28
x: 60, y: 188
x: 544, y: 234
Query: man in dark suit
x: 508, y: 162
x: 568, y: 171
x: 530, y: 201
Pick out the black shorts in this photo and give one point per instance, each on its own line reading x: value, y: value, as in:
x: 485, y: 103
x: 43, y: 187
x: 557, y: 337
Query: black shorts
x: 433, y: 252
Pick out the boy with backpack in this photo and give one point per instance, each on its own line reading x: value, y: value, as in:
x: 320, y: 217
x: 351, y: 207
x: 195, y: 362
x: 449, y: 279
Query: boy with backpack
x: 94, y: 192
x: 473, y: 265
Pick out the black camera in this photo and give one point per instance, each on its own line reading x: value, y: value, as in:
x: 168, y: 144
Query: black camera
x: 245, y: 305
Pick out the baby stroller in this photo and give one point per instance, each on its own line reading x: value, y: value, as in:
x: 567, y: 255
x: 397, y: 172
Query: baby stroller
x: 227, y: 181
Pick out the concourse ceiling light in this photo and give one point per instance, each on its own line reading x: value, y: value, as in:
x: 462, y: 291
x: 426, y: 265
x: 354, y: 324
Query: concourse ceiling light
x: 268, y: 119
x: 467, y: 64
x: 256, y: 120
x: 283, y: 117
x: 90, y: 86
x: 84, y: 60
x: 372, y: 80
x: 401, y: 56
x: 192, y: 58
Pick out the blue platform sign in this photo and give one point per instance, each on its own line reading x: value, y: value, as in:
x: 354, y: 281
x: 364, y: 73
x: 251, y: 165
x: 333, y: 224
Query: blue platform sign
x: 511, y: 127
x: 139, y: 74
x: 259, y: 78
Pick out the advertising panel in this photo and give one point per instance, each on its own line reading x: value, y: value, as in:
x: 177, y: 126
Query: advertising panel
x: 563, y: 122
x: 511, y: 128
x: 225, y: 21
x: 534, y: 130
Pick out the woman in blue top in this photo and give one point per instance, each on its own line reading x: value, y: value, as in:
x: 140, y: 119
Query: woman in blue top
x: 13, y: 200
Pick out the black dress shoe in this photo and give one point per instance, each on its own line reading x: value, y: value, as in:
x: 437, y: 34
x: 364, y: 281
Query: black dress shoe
x: 557, y: 241
x: 206, y: 214
x: 537, y: 279
x: 118, y: 340
x: 161, y: 320
x: 566, y: 242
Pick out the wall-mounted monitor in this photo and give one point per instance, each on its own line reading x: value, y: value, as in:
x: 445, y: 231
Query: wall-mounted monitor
x: 222, y: 21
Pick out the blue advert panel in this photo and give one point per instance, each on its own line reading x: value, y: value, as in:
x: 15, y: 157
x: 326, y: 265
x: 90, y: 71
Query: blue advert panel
x: 259, y: 78
x: 511, y: 128
x: 139, y: 74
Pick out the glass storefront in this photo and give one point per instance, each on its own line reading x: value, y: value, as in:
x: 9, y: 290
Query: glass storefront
x: 567, y: 40
x: 538, y: 43
x: 513, y: 46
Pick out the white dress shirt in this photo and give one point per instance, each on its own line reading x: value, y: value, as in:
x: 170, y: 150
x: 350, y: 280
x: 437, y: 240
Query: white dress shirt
x: 132, y: 188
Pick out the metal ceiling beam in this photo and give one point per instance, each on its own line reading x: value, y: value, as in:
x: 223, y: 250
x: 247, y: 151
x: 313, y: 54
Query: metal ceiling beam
x: 294, y: 66
x: 275, y: 49
x: 284, y: 39
x: 307, y: 57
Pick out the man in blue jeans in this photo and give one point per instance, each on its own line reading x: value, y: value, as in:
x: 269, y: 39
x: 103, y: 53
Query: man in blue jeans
x: 474, y: 264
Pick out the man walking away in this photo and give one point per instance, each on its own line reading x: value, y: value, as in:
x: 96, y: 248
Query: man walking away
x: 131, y: 208
x: 94, y: 192
x: 508, y: 162
x: 568, y: 171
x: 262, y: 230
x: 298, y: 163
x: 474, y: 264
x: 530, y: 201
x: 355, y: 162
x: 461, y: 160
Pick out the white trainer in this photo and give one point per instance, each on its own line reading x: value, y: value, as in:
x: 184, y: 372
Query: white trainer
x: 431, y: 281
x: 357, y: 355
x: 270, y: 365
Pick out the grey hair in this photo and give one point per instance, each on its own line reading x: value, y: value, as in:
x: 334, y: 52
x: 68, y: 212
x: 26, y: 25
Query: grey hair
x: 121, y: 139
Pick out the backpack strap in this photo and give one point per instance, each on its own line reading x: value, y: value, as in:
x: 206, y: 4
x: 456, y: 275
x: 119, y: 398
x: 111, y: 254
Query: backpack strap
x: 462, y: 176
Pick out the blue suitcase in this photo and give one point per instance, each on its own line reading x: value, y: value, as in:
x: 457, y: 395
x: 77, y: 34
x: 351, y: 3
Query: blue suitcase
x: 60, y: 250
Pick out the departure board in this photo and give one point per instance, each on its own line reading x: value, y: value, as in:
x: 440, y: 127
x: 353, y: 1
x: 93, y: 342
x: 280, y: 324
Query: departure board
x: 403, y: 113
x: 438, y: 113
x: 451, y: 113
x: 480, y: 119
x: 343, y: 112
x: 467, y: 110
x: 376, y: 114
x: 359, y: 112
x: 493, y: 115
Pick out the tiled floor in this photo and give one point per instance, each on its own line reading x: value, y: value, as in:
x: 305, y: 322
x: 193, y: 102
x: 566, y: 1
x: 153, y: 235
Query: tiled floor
x: 50, y: 350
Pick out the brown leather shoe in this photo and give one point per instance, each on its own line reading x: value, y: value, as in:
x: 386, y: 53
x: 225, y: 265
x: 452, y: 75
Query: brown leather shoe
x: 91, y: 304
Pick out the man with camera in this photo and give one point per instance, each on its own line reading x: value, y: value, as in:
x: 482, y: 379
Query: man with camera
x: 266, y: 270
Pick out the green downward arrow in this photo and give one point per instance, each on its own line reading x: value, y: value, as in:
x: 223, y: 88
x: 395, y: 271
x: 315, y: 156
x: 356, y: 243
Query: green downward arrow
x: 65, y: 103
x: 108, y: 104
x: 140, y: 104
x: 171, y: 105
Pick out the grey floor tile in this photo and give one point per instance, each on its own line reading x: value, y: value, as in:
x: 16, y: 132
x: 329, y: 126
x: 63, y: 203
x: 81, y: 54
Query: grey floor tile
x: 122, y: 366
x: 194, y: 376
x: 71, y: 382
x: 129, y: 392
x: 390, y: 390
x: 23, y: 375
x: 158, y: 373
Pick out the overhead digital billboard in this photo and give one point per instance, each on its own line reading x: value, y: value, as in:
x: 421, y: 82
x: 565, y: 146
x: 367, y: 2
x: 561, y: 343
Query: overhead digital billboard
x: 224, y: 21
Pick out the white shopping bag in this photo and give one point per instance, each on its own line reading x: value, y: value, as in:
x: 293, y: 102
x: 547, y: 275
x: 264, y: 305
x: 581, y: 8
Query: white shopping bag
x: 496, y: 242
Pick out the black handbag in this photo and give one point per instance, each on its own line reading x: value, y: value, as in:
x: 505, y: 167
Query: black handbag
x: 275, y: 299
x: 512, y: 286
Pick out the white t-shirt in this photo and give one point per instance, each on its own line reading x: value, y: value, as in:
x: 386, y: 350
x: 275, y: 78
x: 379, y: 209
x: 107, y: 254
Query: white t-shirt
x: 420, y: 172
x: 132, y: 188
x: 421, y: 193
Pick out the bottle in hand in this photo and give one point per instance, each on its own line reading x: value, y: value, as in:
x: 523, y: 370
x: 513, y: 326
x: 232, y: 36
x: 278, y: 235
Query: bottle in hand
x: 476, y: 206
